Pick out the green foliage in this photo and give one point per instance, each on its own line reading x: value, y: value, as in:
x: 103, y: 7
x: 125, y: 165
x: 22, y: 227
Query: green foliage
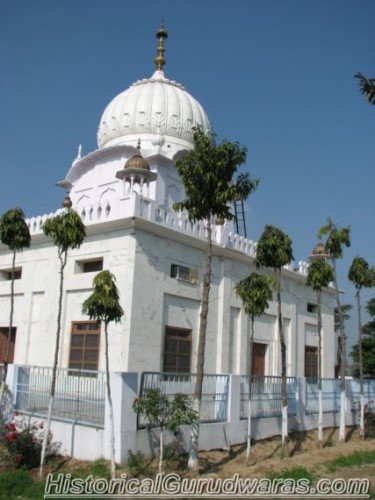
x: 367, y: 87
x: 320, y: 274
x: 66, y: 230
x: 255, y: 292
x: 137, y: 464
x: 99, y: 468
x: 292, y: 473
x: 163, y: 411
x: 368, y: 343
x: 207, y: 172
x: 360, y: 274
x: 345, y: 308
x: 274, y: 248
x: 355, y: 459
x: 370, y: 424
x: 13, y: 484
x: 13, y: 230
x: 104, y: 303
x: 336, y: 238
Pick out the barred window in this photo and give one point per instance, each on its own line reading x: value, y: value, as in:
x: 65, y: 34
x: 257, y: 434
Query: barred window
x: 84, y: 345
x: 177, y: 350
x: 311, y: 361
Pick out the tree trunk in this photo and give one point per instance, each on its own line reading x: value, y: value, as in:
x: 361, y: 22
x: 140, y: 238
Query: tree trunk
x: 249, y: 412
x: 360, y: 353
x: 342, y: 359
x: 10, y: 327
x: 47, y: 426
x: 161, y: 450
x: 284, y: 402
x: 320, y: 411
x: 109, y: 397
x: 194, y: 433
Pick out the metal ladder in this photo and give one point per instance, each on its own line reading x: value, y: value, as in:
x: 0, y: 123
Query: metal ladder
x: 239, y: 211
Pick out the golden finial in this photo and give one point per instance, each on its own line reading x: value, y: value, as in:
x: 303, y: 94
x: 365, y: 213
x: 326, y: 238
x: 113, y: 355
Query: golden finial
x: 161, y: 35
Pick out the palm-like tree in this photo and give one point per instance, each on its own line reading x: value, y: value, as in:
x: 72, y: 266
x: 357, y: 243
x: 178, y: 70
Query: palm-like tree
x: 367, y: 87
x: 208, y: 175
x: 362, y: 276
x: 274, y: 251
x: 255, y: 292
x: 320, y: 275
x: 104, y: 305
x: 14, y: 233
x: 67, y: 231
x: 336, y: 239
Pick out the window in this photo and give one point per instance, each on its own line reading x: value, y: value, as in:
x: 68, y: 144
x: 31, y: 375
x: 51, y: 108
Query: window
x: 311, y: 361
x: 184, y: 274
x: 6, y: 274
x: 4, y: 343
x: 89, y: 266
x: 177, y: 350
x: 312, y: 308
x: 84, y: 345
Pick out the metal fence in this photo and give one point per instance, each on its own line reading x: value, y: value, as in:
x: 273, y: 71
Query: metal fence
x: 266, y: 396
x: 80, y: 394
x: 214, y: 407
x: 330, y: 395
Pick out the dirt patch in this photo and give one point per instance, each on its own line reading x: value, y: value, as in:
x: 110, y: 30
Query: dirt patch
x: 266, y: 456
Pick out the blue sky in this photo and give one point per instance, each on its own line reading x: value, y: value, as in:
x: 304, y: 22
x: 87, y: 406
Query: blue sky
x: 275, y: 75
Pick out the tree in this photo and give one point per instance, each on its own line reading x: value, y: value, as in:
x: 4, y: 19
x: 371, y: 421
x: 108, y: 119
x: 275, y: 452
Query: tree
x: 67, y: 232
x: 16, y: 235
x: 345, y: 308
x: 368, y: 343
x: 336, y: 239
x: 208, y: 173
x: 274, y: 250
x: 320, y: 275
x: 255, y: 292
x: 104, y: 305
x: 165, y: 413
x: 367, y: 87
x: 362, y: 276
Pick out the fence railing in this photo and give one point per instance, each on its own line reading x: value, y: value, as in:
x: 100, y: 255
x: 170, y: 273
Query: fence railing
x: 79, y: 396
x: 266, y: 396
x: 330, y: 395
x: 214, y: 407
x: 353, y: 392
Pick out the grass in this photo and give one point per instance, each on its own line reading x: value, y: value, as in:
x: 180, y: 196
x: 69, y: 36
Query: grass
x: 292, y: 473
x: 355, y: 459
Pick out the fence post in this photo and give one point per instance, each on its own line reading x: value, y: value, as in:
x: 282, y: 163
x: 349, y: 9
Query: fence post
x: 234, y: 399
x: 301, y: 401
x: 124, y: 389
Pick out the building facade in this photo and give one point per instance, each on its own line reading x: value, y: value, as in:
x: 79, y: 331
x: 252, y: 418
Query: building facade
x: 124, y: 192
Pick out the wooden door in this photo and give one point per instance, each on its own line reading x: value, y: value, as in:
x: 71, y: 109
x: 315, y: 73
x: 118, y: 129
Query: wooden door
x: 258, y: 359
x: 4, y: 343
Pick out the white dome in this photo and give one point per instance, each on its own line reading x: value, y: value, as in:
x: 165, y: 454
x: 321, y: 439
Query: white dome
x: 155, y: 106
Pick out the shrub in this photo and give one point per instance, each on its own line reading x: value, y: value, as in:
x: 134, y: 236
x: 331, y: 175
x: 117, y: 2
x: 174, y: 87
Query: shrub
x: 369, y: 421
x: 136, y: 463
x: 22, y: 442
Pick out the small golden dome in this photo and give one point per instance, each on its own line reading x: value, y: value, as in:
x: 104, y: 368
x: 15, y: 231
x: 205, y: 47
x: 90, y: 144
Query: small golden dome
x: 319, y: 249
x: 137, y: 161
x: 67, y: 202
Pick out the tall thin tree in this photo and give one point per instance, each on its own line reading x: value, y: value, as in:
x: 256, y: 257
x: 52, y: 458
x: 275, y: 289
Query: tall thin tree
x: 336, y: 239
x: 104, y: 305
x: 362, y: 276
x: 14, y: 233
x: 274, y: 250
x: 207, y: 173
x: 67, y: 231
x: 255, y: 292
x: 320, y: 275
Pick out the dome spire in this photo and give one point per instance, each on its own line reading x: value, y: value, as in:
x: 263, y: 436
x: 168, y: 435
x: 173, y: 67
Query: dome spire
x: 161, y: 35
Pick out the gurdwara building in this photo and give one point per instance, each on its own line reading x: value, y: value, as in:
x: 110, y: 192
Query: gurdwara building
x: 124, y: 192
